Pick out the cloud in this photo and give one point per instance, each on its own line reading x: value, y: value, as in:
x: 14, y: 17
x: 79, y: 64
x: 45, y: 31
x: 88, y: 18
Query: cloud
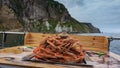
x: 103, y: 14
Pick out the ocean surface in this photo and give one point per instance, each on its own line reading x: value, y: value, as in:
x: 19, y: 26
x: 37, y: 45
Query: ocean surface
x: 114, y: 45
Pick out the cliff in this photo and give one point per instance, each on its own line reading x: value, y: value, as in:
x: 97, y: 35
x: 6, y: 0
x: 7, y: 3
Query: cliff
x: 40, y: 16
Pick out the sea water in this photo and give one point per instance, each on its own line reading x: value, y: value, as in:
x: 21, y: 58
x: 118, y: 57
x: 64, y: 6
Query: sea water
x: 114, y: 44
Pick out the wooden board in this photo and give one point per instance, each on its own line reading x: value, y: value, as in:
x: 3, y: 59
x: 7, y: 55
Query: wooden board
x: 14, y: 50
x: 15, y: 59
x: 93, y: 43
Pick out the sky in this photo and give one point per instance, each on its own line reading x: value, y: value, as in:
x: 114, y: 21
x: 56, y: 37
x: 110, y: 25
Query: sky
x: 103, y: 14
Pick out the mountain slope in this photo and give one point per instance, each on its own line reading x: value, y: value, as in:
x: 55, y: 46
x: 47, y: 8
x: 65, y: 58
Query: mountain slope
x: 45, y: 16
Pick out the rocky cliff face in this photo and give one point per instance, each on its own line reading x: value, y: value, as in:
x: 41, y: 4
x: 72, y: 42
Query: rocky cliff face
x: 8, y: 20
x: 44, y: 16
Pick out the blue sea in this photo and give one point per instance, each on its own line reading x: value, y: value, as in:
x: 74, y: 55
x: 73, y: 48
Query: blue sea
x: 114, y: 45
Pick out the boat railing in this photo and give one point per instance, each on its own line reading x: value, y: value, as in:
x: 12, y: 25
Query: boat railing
x: 8, y: 39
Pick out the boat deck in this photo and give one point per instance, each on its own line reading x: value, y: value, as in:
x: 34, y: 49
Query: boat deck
x: 12, y: 58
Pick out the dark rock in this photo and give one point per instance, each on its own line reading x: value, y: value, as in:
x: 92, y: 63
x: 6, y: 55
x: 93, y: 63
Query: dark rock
x: 0, y: 4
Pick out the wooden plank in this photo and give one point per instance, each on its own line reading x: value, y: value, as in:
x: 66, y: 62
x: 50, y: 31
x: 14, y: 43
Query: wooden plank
x: 14, y: 50
x: 89, y: 42
x: 117, y: 57
x: 17, y: 61
x: 9, y: 57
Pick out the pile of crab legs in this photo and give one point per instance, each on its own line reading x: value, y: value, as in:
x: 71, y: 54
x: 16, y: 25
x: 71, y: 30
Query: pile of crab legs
x: 60, y: 48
